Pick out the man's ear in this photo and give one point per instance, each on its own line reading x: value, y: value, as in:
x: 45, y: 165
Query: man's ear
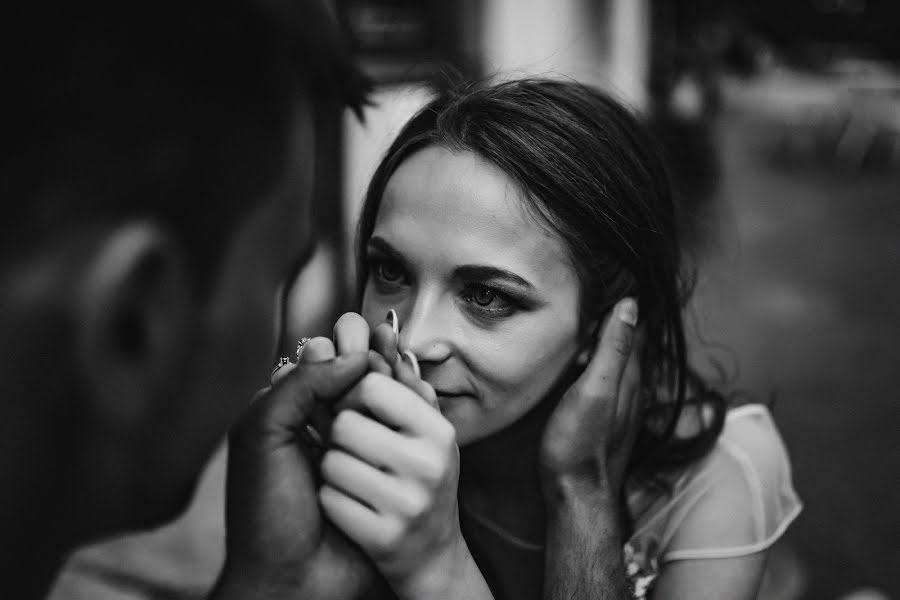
x: 134, y: 325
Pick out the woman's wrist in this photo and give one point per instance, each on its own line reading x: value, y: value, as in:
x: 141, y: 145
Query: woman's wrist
x: 451, y: 573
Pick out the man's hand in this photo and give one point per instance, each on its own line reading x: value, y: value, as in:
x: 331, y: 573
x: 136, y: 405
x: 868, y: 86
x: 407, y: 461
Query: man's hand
x: 589, y: 437
x: 584, y: 454
x: 278, y: 544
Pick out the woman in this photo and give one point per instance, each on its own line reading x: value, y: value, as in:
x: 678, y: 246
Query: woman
x: 509, y: 232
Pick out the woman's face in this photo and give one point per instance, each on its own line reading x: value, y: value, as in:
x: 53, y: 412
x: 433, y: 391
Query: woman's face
x: 486, y: 295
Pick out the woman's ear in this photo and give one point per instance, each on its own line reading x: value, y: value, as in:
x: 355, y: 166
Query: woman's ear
x: 134, y: 324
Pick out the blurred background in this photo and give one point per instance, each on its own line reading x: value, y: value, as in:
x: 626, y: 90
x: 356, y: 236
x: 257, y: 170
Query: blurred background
x: 782, y: 124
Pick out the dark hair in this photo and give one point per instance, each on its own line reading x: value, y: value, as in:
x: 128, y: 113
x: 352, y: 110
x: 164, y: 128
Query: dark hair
x: 588, y: 168
x: 173, y: 111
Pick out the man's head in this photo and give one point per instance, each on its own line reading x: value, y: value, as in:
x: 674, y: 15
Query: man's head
x: 156, y: 191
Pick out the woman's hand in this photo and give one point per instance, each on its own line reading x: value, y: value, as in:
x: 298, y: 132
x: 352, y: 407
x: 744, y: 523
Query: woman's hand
x: 589, y: 437
x: 390, y: 478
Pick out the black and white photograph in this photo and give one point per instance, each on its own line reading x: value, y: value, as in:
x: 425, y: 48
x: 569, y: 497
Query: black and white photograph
x: 450, y: 300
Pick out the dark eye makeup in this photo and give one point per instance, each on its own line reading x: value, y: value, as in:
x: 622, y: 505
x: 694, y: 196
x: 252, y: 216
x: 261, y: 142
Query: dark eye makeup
x: 488, y: 292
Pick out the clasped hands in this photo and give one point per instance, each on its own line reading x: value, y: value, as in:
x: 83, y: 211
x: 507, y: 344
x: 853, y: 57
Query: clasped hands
x: 387, y: 495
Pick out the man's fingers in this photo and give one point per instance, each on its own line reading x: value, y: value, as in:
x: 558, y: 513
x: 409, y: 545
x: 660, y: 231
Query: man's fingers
x: 318, y: 349
x: 603, y: 374
x: 629, y: 400
x: 278, y: 374
x: 290, y: 403
x: 351, y: 334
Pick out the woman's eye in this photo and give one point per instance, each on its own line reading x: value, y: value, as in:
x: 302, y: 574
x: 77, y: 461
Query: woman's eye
x: 483, y: 296
x: 388, y: 271
x: 489, y: 301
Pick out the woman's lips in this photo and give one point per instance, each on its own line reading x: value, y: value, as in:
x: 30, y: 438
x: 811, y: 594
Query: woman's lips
x: 448, y: 397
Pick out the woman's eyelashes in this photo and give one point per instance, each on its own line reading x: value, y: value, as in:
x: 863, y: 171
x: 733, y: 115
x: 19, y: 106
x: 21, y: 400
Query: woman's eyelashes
x: 489, y: 301
x: 483, y: 299
x: 388, y: 271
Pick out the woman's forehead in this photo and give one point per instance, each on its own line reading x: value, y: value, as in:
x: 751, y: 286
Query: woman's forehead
x: 451, y: 207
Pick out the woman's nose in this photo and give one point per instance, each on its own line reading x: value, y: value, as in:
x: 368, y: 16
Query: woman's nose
x: 424, y: 330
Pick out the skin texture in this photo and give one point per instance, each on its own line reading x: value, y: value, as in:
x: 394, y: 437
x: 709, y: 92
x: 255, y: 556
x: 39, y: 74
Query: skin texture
x: 443, y: 211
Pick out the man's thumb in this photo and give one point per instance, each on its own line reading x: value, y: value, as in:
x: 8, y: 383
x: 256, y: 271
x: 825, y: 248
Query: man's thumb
x: 288, y: 405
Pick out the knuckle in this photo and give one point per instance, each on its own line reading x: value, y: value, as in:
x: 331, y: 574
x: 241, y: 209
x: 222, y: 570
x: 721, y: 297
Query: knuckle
x: 588, y: 393
x: 431, y: 466
x: 369, y: 385
x: 342, y: 425
x: 324, y: 495
x: 329, y: 463
x: 446, y: 434
x: 621, y: 345
x: 416, y: 502
x: 392, y: 533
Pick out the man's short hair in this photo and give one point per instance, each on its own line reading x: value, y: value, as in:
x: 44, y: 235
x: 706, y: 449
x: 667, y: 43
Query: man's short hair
x: 172, y: 110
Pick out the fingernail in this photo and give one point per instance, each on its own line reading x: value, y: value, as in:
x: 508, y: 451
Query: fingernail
x: 411, y: 358
x: 313, y: 437
x: 628, y: 311
x: 394, y: 321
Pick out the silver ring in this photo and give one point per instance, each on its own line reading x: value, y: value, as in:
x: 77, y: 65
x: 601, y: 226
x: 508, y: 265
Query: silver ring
x: 284, y: 360
x: 300, y: 345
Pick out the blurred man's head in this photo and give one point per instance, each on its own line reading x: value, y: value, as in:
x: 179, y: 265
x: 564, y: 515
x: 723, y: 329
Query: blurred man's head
x: 155, y: 189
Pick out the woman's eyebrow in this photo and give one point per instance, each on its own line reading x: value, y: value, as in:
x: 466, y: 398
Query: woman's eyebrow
x: 382, y: 245
x: 485, y: 272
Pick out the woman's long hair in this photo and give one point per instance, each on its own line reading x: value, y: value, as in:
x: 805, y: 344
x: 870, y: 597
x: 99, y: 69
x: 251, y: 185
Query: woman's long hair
x: 589, y: 169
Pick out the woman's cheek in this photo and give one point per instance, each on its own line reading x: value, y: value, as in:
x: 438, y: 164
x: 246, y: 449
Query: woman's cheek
x: 372, y: 308
x: 521, y: 368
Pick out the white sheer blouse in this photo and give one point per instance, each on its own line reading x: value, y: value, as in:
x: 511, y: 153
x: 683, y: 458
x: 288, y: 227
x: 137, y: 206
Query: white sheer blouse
x: 736, y: 501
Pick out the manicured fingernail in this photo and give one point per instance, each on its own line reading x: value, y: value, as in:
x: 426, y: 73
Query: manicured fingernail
x: 628, y: 311
x: 412, y: 360
x: 394, y: 321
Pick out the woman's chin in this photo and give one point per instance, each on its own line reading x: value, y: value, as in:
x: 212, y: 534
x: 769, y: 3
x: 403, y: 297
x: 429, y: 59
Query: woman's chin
x: 467, y: 417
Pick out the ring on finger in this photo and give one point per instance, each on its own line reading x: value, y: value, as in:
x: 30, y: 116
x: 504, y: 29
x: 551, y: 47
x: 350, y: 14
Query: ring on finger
x: 284, y: 360
x: 300, y: 344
